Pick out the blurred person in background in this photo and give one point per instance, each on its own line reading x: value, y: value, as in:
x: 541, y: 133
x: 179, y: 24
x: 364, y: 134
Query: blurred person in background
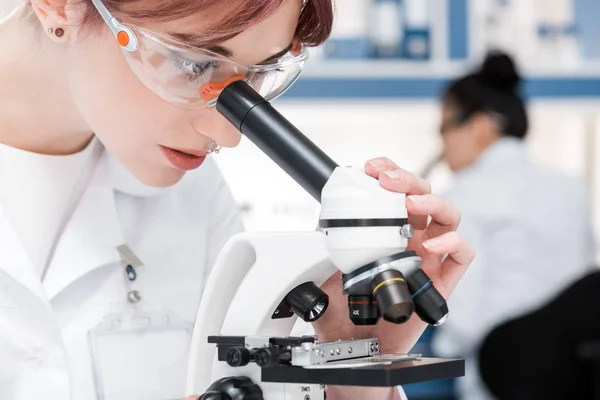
x: 529, y: 225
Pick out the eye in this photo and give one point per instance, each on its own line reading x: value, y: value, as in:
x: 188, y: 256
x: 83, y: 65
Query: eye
x: 195, y: 70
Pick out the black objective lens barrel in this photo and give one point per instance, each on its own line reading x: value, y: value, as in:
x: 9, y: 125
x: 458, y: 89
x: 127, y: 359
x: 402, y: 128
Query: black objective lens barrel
x: 393, y: 296
x: 363, y: 310
x: 430, y: 305
x: 281, y: 141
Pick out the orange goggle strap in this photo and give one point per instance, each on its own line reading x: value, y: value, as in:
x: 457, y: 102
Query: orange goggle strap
x: 212, y: 90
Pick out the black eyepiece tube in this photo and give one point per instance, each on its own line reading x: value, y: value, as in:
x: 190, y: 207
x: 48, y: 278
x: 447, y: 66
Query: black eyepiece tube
x: 281, y: 141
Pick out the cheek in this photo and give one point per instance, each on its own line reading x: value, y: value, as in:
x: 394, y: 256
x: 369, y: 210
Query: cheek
x: 450, y: 145
x: 213, y: 125
x: 128, y: 119
x: 454, y: 149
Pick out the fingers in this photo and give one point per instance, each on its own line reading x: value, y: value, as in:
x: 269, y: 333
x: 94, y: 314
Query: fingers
x: 376, y: 166
x: 396, y: 179
x: 444, y: 216
x: 460, y: 256
x: 401, y: 181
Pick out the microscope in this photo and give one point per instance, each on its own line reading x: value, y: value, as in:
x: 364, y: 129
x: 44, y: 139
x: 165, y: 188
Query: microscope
x: 262, y: 283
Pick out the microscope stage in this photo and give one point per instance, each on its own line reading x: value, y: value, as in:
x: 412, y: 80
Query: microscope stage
x: 396, y: 374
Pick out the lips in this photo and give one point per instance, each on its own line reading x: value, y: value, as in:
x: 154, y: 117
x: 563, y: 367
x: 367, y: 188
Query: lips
x: 184, y: 160
x: 191, y: 152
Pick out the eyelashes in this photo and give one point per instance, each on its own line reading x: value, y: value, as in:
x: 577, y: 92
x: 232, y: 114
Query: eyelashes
x: 194, y: 70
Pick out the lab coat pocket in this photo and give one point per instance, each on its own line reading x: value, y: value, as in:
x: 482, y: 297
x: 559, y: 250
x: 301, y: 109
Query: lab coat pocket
x: 140, y: 355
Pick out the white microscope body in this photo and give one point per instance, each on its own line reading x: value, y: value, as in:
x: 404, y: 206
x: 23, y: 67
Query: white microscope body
x: 255, y: 271
x: 259, y: 279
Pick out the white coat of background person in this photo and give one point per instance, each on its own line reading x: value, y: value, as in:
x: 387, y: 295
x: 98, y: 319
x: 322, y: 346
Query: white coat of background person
x: 104, y: 142
x: 530, y: 226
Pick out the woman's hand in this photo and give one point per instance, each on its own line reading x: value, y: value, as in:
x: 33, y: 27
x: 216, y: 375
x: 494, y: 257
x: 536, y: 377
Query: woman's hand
x: 446, y: 256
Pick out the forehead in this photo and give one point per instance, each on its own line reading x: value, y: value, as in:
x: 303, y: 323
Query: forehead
x: 259, y: 41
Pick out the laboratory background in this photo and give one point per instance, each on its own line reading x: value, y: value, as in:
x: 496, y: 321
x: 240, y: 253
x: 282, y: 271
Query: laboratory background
x: 374, y: 89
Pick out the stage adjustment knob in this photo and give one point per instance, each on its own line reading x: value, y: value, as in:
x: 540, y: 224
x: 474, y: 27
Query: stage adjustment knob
x: 238, y: 356
x: 267, y: 357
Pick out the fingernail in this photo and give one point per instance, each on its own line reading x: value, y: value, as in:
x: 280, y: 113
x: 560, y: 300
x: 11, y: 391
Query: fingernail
x: 417, y: 199
x: 376, y: 163
x: 394, y: 175
x: 432, y: 244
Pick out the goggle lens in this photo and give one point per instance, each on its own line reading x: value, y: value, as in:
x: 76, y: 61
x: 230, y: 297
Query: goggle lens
x: 195, y: 79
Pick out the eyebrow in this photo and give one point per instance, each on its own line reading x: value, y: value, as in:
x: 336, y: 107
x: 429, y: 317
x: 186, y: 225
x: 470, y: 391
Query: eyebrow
x: 200, y: 42
x: 278, y: 55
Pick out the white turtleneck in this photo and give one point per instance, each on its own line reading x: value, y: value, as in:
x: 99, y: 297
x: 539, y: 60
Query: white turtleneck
x: 39, y: 192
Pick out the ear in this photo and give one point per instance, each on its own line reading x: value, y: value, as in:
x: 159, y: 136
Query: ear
x: 60, y: 19
x: 483, y: 128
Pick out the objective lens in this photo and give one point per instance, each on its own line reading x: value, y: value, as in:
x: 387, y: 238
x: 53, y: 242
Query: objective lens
x: 393, y: 297
x: 430, y: 305
x: 363, y: 310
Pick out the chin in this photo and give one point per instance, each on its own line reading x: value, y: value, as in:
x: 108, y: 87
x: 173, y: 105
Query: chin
x: 163, y: 177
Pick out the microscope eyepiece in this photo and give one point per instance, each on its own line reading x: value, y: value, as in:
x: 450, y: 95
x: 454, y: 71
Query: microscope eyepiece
x: 236, y: 101
x: 278, y: 138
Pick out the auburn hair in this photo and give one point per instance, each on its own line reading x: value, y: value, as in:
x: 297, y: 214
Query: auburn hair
x: 314, y: 25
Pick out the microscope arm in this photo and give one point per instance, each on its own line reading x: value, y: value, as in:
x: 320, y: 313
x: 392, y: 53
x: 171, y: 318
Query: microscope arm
x: 252, y: 275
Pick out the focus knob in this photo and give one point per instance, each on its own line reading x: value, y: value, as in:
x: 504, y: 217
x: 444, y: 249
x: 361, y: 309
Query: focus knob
x: 214, y: 396
x: 233, y: 388
x: 238, y: 356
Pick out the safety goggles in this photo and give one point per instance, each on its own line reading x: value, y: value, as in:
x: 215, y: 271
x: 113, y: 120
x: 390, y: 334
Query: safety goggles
x: 191, y: 77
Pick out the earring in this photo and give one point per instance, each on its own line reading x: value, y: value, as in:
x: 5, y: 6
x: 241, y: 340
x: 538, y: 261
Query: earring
x: 214, y: 148
x: 59, y: 32
x: 50, y: 30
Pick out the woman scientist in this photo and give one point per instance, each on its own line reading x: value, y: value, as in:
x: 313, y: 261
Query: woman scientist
x: 97, y: 131
x: 529, y: 226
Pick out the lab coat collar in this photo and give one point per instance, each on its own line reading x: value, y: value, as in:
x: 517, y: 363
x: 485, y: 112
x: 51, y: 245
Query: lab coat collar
x: 90, y: 239
x: 14, y: 261
x: 503, y: 151
x: 81, y: 249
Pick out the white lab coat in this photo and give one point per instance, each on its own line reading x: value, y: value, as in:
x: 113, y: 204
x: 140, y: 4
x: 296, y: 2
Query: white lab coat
x: 530, y: 228
x: 177, y: 233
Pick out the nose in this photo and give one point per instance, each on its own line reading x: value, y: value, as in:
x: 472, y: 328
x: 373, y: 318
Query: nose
x: 213, y: 125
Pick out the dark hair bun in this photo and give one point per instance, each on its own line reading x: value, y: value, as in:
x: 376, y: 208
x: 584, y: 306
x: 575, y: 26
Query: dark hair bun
x: 499, y: 72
